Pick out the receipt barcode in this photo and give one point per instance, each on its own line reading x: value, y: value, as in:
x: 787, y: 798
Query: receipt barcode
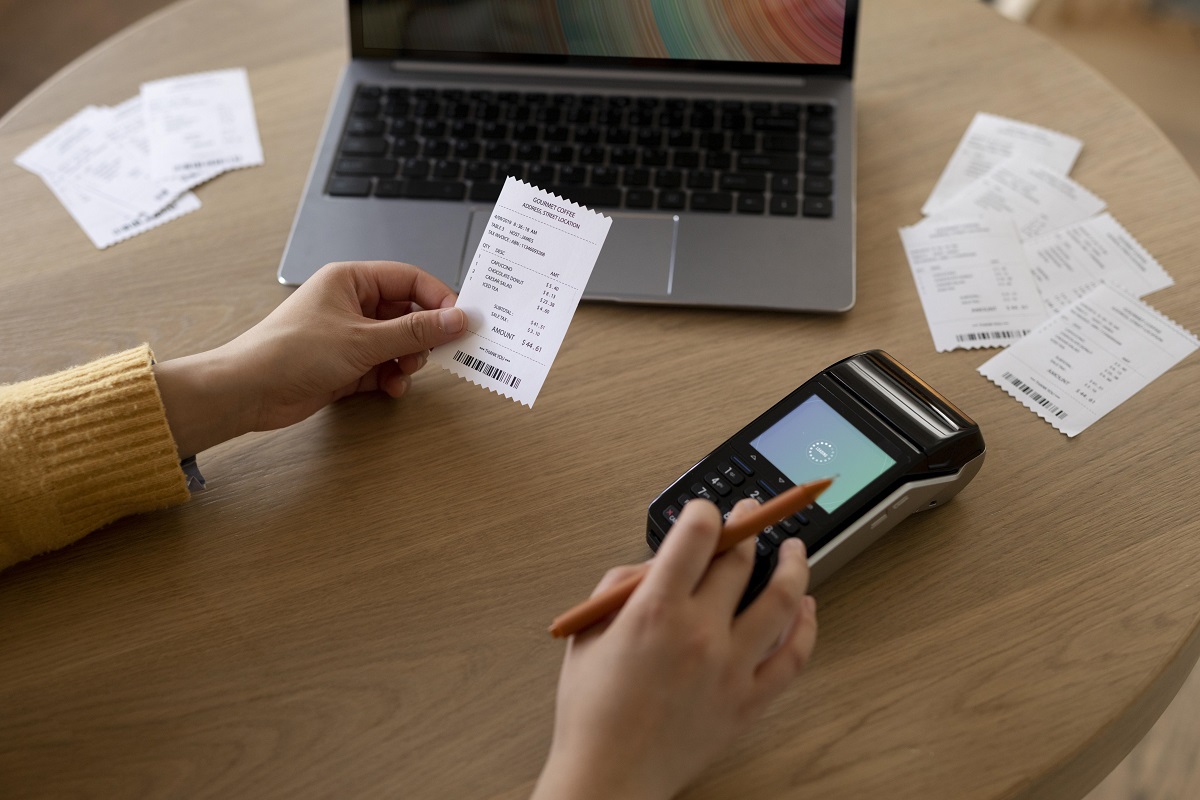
x: 1034, y: 396
x: 487, y: 369
x: 985, y: 335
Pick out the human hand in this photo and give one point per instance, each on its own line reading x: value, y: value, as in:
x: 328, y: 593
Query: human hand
x: 352, y: 327
x: 646, y: 702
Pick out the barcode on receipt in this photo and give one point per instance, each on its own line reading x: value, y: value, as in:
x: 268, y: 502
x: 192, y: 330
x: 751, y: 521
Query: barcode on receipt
x: 1033, y: 395
x: 490, y: 370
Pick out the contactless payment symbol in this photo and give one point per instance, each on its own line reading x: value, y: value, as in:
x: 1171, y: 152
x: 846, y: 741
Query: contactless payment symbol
x: 821, y: 452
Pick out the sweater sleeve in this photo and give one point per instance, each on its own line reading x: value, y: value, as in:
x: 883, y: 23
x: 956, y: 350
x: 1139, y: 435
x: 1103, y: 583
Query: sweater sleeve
x: 80, y: 449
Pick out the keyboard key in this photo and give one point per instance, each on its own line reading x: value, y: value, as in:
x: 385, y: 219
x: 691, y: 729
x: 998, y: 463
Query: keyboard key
x: 479, y: 171
x: 774, y: 162
x: 818, y: 146
x: 668, y: 179
x: 434, y: 190
x: 687, y: 159
x: 592, y: 196
x: 388, y: 187
x: 385, y: 167
x: 783, y: 183
x: 573, y: 174
x: 405, y: 146
x: 781, y: 142
x: 744, y: 141
x: 750, y: 203
x: 529, y: 151
x: 623, y: 155
x: 819, y: 126
x: 447, y: 169
x: 635, y: 176
x: 818, y: 186
x: 560, y: 153
x: 593, y: 154
x: 365, y: 107
x: 364, y: 126
x: 542, y: 175
x: 818, y: 207
x: 654, y: 158
x: 511, y: 168
x: 776, y: 124
x: 714, y: 160
x: 436, y: 148
x: 486, y: 192
x: 671, y: 199
x: 701, y: 179
x: 497, y: 151
x: 712, y: 201
x: 349, y: 187
x: 416, y: 168
x: 605, y: 176
x: 639, y: 198
x: 818, y: 165
x: 784, y: 205
x: 743, y: 182
x: 364, y: 146
x: 465, y: 149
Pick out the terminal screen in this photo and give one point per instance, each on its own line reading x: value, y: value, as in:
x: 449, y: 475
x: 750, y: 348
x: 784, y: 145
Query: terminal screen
x: 814, y: 441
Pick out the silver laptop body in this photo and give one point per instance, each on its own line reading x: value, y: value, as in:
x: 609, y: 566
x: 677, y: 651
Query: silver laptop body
x: 746, y: 257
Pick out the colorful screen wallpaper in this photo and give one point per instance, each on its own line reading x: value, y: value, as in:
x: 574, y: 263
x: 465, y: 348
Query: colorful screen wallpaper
x: 773, y: 31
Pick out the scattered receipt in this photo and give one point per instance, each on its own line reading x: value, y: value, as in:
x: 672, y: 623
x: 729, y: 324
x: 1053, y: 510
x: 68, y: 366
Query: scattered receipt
x: 202, y: 122
x: 991, y: 139
x: 1092, y: 356
x: 973, y: 280
x: 522, y: 289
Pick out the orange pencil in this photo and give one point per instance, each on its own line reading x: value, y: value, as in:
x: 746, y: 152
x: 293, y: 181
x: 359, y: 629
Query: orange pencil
x: 596, y: 608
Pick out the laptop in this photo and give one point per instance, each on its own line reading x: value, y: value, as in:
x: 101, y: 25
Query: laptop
x: 718, y: 136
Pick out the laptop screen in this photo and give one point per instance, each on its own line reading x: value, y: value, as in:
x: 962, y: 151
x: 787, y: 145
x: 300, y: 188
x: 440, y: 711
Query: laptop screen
x: 797, y: 37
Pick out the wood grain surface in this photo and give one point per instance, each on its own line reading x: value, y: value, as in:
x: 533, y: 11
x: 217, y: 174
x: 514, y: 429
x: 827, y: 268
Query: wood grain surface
x: 357, y: 605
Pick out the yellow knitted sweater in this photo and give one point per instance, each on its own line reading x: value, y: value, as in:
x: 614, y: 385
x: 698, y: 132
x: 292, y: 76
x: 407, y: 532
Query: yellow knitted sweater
x: 80, y: 449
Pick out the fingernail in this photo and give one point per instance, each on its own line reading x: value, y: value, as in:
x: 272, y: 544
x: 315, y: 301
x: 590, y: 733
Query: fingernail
x: 450, y: 320
x: 797, y: 545
x: 810, y: 604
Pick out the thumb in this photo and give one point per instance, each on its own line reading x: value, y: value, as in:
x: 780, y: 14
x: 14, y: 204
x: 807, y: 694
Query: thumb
x: 418, y: 332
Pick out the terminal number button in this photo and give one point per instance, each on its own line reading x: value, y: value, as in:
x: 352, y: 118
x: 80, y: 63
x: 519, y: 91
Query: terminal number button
x: 717, y: 482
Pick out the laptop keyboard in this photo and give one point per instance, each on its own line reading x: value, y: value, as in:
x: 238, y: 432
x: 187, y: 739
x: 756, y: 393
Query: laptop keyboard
x: 602, y: 151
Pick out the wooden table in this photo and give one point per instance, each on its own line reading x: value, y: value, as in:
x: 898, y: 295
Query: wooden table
x: 357, y: 606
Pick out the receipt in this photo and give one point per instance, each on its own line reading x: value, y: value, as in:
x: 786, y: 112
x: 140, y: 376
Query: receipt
x: 201, y: 122
x: 1067, y: 263
x: 974, y: 283
x: 101, y: 182
x: 991, y: 139
x: 1035, y: 197
x: 1089, y: 358
x: 87, y: 150
x: 522, y: 289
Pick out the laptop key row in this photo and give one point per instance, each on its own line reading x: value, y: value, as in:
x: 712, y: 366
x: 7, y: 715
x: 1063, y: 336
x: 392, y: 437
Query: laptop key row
x: 601, y: 151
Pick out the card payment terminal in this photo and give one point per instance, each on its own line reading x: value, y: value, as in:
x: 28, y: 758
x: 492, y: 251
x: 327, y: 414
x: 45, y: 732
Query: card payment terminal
x: 892, y: 443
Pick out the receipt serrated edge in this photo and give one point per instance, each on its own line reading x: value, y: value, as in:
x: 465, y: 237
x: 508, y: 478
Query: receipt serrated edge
x: 1024, y: 400
x: 559, y: 197
x: 457, y: 369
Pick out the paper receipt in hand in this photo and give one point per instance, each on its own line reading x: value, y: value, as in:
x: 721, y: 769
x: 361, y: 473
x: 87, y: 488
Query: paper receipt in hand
x: 521, y: 290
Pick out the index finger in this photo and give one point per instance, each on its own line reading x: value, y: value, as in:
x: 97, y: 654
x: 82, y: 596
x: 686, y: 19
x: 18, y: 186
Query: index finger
x: 687, y: 550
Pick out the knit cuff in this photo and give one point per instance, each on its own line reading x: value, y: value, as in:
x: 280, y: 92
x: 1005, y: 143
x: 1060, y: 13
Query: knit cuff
x: 83, y: 447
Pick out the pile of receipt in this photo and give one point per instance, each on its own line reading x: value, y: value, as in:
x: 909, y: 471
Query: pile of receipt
x: 1013, y: 253
x: 122, y: 170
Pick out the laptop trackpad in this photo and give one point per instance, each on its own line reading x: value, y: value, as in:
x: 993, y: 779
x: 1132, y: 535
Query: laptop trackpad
x: 635, y: 261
